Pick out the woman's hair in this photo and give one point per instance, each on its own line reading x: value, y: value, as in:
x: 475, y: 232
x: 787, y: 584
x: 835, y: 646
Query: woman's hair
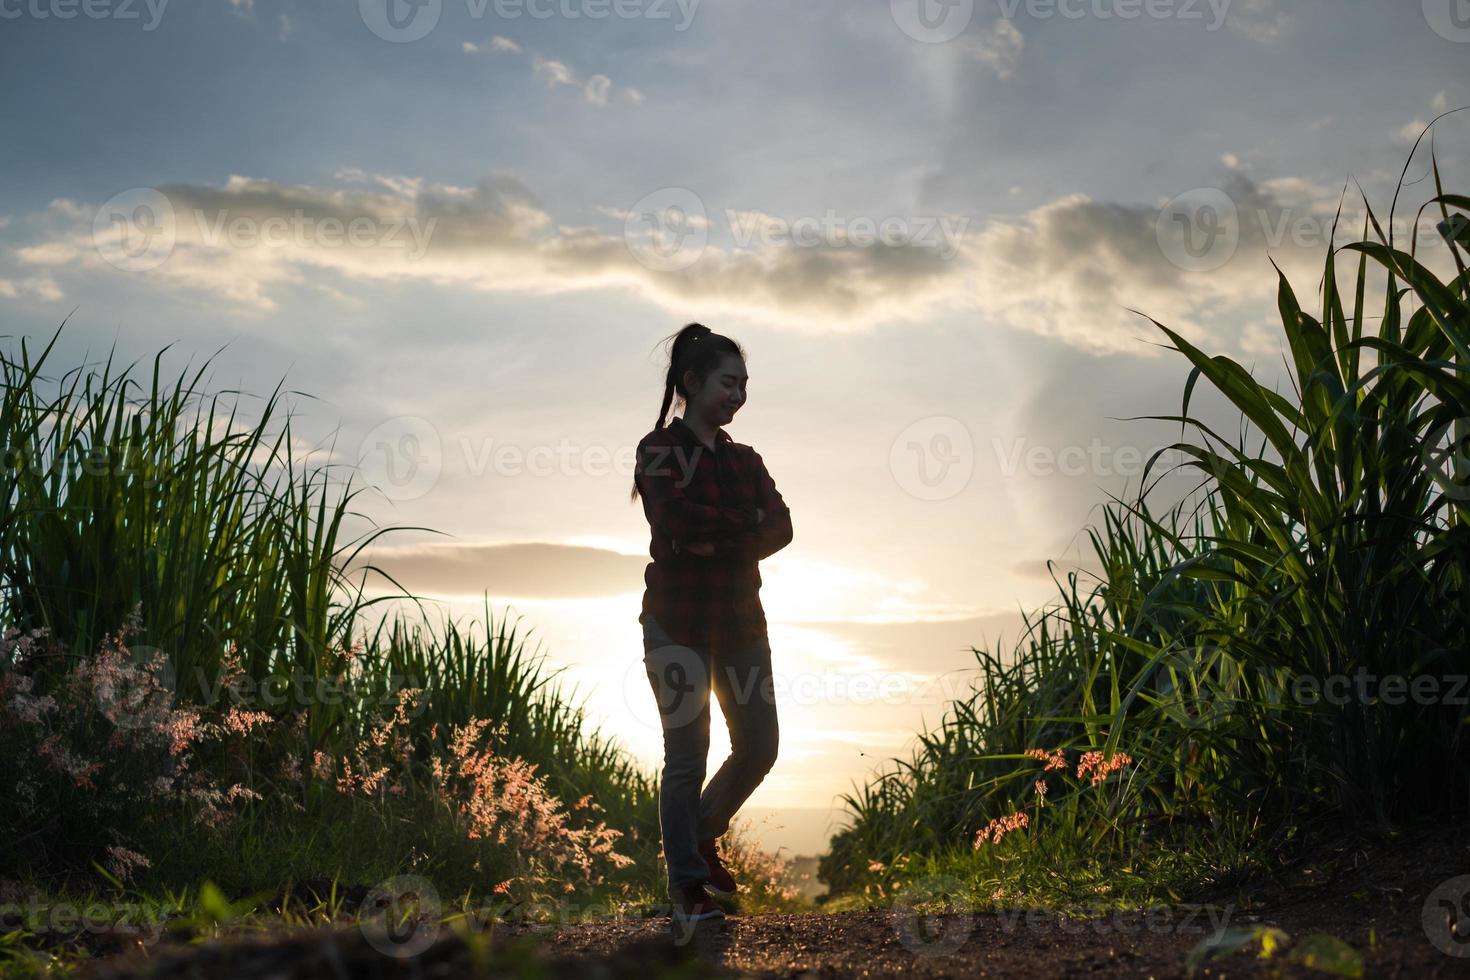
x: 695, y: 348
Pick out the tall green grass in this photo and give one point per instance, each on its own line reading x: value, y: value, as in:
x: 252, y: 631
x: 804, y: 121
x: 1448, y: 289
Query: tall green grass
x: 1324, y: 544
x: 122, y: 494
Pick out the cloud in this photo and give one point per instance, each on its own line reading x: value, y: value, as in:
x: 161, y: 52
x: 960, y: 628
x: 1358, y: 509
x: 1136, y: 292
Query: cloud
x: 525, y: 571
x: 1259, y: 20
x: 597, y: 90
x: 555, y: 72
x: 1057, y: 569
x: 926, y: 647
x: 494, y: 236
x: 1262, y: 338
x: 1411, y: 131
x: 1083, y: 431
x: 1068, y: 269
x: 34, y: 287
x: 998, y: 48
x: 1072, y: 268
x: 245, y: 10
x: 1320, y: 198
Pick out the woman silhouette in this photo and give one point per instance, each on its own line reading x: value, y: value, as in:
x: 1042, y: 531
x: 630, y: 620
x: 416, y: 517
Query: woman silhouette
x: 713, y: 513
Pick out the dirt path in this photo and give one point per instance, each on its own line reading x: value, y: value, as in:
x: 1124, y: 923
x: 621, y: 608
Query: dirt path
x: 1376, y: 903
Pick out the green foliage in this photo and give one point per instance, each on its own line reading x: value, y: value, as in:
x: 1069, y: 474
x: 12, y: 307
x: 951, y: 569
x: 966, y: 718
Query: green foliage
x: 1336, y: 548
x: 149, y: 510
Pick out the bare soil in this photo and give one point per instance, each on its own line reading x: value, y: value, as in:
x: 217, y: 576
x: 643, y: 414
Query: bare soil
x: 1384, y: 902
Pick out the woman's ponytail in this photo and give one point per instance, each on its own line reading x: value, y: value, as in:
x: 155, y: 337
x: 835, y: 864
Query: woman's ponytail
x: 695, y: 348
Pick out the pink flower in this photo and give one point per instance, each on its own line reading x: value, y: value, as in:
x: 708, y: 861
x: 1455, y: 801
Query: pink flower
x: 62, y: 759
x: 28, y: 710
x: 121, y: 862
x: 230, y: 665
x: 238, y: 721
x: 1100, y: 767
x: 1001, y: 826
x: 1056, y: 759
x: 349, y: 653
x: 181, y: 728
x: 507, y: 801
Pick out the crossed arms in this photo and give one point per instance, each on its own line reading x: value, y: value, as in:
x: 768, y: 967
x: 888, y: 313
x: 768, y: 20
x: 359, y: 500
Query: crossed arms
x: 746, y: 533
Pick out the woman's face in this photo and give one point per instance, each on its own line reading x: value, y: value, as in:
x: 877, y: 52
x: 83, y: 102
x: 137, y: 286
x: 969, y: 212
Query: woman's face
x: 723, y: 392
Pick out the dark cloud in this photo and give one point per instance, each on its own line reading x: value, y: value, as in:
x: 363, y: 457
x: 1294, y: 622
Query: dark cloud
x: 927, y: 647
x: 496, y: 236
x: 530, y: 570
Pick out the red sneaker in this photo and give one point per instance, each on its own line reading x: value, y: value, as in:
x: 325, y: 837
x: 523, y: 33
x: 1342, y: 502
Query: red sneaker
x: 721, y: 882
x: 694, y: 906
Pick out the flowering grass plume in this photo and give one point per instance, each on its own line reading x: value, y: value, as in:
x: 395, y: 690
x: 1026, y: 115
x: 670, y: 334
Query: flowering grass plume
x: 110, y: 754
x: 1100, y: 766
x: 108, y: 747
x: 504, y: 800
x: 1093, y: 766
x: 1000, y: 826
x: 762, y: 872
x: 1055, y: 759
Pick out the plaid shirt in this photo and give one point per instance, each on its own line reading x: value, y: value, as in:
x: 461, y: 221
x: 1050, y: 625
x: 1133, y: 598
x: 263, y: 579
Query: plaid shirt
x: 692, y: 495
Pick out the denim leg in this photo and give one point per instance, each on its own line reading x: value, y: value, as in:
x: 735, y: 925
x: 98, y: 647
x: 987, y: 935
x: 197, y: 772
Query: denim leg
x: 680, y: 678
x: 746, y: 688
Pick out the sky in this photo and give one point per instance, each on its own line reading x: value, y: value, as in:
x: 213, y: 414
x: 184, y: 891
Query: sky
x: 460, y: 229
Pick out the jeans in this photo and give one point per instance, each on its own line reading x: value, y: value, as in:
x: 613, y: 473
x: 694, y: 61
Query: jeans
x: 681, y: 677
